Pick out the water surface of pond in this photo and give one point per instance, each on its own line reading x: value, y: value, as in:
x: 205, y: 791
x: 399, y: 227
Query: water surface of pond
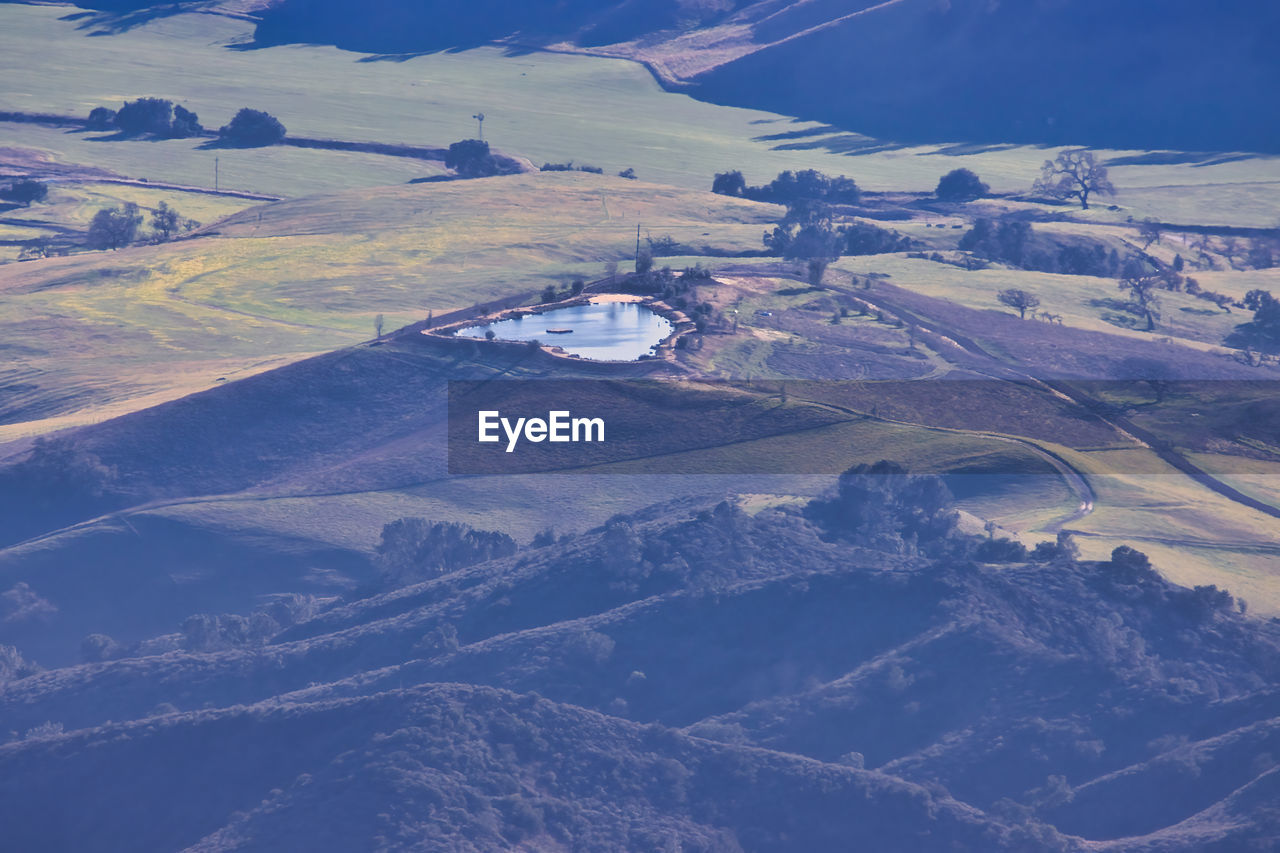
x: 606, y: 331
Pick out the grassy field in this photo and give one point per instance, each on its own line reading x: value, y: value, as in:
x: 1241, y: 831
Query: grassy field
x: 65, y: 214
x: 92, y: 336
x: 547, y: 107
x: 280, y: 281
x: 1083, y: 302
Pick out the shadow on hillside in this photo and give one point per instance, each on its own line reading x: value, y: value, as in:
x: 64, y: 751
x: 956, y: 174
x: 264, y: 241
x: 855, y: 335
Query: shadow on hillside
x: 109, y: 18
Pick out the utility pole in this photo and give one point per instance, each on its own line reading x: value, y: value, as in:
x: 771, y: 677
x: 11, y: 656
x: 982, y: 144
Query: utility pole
x: 215, y: 173
x: 479, y: 117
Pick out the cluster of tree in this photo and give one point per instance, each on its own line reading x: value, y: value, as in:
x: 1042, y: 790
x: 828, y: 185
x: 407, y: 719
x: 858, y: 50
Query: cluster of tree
x: 883, y: 506
x: 863, y: 238
x: 117, y: 227
x: 807, y: 233
x: 148, y: 116
x: 414, y: 549
x: 25, y: 192
x: 1143, y: 277
x: 251, y: 129
x: 569, y: 167
x: 206, y: 632
x: 471, y: 158
x: 1016, y: 243
x: 666, y: 246
x: 790, y: 187
x: 42, y: 247
x: 960, y: 185
x: 1258, y: 253
x: 1264, y: 331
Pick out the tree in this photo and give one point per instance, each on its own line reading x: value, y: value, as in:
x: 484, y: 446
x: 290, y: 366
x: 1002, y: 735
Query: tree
x: 628, y: 173
x: 25, y: 192
x: 1077, y: 174
x: 1150, y: 232
x: 817, y: 269
x: 729, y: 183
x: 577, y: 287
x: 863, y: 238
x: 114, y: 227
x: 1005, y: 242
x: 1262, y: 253
x: 414, y: 549
x: 1231, y: 250
x: 165, y: 220
x: 960, y: 185
x: 549, y: 293
x: 377, y: 326
x: 185, y: 124
x: 1142, y: 284
x: 1019, y: 300
x: 644, y: 260
x: 471, y: 158
x: 145, y: 115
x: 883, y: 505
x: 101, y: 118
x: 1266, y: 314
x: 38, y: 248
x: 252, y: 129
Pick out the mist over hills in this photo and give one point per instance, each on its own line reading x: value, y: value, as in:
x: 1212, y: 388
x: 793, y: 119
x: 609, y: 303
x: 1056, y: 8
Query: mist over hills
x: 1147, y: 74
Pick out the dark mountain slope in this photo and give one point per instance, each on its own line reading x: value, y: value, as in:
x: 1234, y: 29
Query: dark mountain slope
x: 451, y: 768
x: 1145, y: 74
x: 1013, y: 687
x: 1179, y: 74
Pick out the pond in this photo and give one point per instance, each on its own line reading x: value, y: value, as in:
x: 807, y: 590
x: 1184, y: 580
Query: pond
x: 604, y: 331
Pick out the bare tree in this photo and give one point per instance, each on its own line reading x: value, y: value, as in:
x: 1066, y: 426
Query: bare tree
x: 1019, y: 300
x: 1150, y: 232
x: 817, y: 269
x: 1077, y: 174
x: 377, y: 325
x: 1142, y: 285
x: 1231, y: 250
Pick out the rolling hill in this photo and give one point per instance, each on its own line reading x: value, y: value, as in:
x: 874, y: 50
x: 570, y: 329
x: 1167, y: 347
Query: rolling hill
x: 738, y: 682
x: 1082, y: 72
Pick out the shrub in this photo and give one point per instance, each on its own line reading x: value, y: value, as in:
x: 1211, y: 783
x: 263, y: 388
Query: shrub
x: 101, y: 118
x: 252, y: 129
x: 414, y: 549
x: 729, y: 183
x: 471, y: 158
x: 114, y: 227
x: 185, y: 124
x: 960, y: 185
x: 863, y: 238
x: 145, y: 115
x: 25, y: 192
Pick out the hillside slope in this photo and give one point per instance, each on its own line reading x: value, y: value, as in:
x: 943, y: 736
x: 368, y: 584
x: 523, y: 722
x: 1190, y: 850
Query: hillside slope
x: 736, y: 682
x: 1086, y: 72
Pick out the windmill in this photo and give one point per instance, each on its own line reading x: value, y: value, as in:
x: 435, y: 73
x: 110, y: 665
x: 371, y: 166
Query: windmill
x: 479, y: 117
